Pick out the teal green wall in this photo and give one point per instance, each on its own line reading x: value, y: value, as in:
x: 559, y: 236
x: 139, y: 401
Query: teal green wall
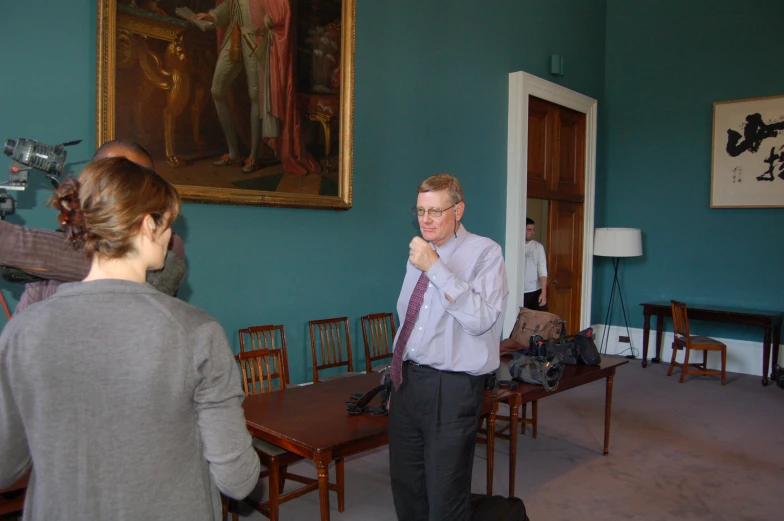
x: 668, y: 61
x: 431, y: 95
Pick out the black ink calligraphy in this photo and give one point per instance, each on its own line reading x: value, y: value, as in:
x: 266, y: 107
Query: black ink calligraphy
x: 755, y: 131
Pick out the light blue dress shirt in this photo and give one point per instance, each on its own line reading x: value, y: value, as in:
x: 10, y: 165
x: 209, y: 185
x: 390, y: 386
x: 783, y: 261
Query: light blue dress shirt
x: 464, y: 334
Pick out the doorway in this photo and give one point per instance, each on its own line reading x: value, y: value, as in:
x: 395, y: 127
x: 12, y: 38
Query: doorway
x: 570, y: 198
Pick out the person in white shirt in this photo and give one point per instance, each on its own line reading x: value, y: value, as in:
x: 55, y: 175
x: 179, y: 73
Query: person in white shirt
x: 535, y: 285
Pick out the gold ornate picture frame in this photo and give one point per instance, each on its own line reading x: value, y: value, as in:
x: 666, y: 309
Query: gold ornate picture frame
x: 184, y: 92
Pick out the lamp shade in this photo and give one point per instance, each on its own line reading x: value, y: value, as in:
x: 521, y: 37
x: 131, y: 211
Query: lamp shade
x: 617, y: 242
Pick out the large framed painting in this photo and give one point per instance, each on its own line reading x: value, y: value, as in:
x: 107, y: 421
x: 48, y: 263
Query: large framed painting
x: 748, y: 153
x: 238, y: 101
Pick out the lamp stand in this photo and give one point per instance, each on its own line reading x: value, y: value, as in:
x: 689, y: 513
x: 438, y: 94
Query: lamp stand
x: 605, y: 337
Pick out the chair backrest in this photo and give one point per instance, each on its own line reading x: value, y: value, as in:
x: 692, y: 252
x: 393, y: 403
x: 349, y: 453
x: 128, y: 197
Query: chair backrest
x: 680, y: 320
x: 260, y: 369
x: 266, y: 337
x: 378, y: 330
x: 328, y: 338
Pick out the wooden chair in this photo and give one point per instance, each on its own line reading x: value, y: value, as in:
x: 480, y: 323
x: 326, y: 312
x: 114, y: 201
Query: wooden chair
x: 12, y: 498
x: 378, y: 330
x: 263, y: 371
x: 522, y: 417
x: 328, y: 337
x: 266, y: 337
x: 683, y: 340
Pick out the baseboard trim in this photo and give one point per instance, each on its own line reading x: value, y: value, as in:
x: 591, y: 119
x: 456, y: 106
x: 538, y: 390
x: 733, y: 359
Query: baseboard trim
x: 743, y: 356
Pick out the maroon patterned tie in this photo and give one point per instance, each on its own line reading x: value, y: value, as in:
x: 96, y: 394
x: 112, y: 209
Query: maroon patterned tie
x: 417, y: 297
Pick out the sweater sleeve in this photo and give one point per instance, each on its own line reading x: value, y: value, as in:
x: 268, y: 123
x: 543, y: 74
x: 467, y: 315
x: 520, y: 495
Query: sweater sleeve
x: 14, y: 450
x: 234, y: 464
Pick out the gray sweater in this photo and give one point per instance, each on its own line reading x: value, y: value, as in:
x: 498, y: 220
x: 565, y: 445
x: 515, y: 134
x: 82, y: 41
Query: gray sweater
x: 127, y: 402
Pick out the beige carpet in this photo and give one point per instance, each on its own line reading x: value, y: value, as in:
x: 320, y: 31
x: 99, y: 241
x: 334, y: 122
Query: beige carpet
x: 696, y: 451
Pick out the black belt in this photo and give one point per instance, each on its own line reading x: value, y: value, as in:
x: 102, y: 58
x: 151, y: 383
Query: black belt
x: 431, y: 368
x: 423, y: 366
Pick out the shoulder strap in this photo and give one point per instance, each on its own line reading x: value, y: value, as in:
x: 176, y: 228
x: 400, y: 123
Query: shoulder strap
x: 361, y: 405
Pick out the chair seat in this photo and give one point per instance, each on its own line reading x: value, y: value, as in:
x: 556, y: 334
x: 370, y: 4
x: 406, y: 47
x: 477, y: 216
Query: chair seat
x: 705, y: 342
x: 267, y: 448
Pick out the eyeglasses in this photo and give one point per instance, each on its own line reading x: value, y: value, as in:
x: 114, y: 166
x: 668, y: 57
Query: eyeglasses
x: 432, y: 212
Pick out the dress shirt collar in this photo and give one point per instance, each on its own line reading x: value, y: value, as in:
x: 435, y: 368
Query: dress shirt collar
x: 448, y: 248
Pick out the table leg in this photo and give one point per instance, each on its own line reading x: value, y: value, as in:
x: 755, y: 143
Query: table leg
x: 339, y: 474
x: 659, y: 331
x: 514, y: 411
x: 765, y: 356
x: 491, y: 448
x: 774, y: 360
x: 646, y: 331
x: 608, y: 412
x: 322, y: 461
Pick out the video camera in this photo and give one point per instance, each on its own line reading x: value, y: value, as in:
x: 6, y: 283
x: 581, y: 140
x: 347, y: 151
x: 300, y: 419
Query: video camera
x: 26, y: 155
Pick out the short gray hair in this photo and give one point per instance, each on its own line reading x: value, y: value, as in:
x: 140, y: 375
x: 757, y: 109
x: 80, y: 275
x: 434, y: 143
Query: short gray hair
x: 439, y: 182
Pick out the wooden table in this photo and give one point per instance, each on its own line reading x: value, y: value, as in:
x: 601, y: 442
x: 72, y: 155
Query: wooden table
x: 311, y: 421
x: 769, y: 321
x: 573, y: 376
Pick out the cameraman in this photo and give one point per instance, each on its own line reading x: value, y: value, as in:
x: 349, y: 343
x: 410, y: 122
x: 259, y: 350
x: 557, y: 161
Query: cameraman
x: 45, y: 254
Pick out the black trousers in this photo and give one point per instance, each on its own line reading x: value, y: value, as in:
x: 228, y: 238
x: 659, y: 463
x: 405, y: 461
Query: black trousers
x: 433, y: 419
x: 531, y: 300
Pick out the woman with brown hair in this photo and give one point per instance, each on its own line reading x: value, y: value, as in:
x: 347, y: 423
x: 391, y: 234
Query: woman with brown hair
x: 126, y: 401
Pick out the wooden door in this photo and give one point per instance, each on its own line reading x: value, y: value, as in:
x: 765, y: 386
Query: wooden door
x: 556, y: 172
x: 556, y: 152
x: 564, y: 262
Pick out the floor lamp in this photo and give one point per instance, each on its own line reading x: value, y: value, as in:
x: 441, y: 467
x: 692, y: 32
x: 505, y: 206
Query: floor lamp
x: 616, y: 243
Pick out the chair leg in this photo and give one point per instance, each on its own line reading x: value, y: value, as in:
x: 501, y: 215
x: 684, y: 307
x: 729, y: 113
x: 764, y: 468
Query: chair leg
x: 535, y: 416
x: 274, y: 489
x: 685, y: 364
x: 283, y: 470
x: 339, y: 463
x: 224, y: 507
x: 521, y: 415
x: 234, y: 507
x: 672, y: 362
x: 704, y: 359
x: 723, y: 366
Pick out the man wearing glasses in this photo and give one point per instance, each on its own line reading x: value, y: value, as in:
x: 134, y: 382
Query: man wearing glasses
x: 451, y: 308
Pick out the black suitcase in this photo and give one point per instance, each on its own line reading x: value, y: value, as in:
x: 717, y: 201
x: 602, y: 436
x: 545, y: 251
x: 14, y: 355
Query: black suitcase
x: 497, y: 508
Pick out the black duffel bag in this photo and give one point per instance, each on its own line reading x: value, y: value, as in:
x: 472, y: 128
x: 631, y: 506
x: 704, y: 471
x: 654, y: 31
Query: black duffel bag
x: 589, y: 354
x: 497, y: 508
x: 578, y: 349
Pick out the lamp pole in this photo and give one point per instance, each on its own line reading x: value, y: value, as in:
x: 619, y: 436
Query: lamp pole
x: 615, y: 284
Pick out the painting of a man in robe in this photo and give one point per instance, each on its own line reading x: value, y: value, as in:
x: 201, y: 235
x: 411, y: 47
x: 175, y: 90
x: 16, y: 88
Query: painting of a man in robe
x: 243, y: 95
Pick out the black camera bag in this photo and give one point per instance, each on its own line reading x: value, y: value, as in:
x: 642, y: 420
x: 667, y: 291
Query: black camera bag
x: 497, y: 508
x: 589, y: 354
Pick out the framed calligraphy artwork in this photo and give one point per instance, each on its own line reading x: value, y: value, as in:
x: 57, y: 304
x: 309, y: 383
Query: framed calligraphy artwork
x: 238, y: 101
x: 748, y: 153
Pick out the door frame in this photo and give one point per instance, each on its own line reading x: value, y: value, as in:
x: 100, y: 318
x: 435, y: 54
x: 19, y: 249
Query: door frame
x: 521, y: 86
